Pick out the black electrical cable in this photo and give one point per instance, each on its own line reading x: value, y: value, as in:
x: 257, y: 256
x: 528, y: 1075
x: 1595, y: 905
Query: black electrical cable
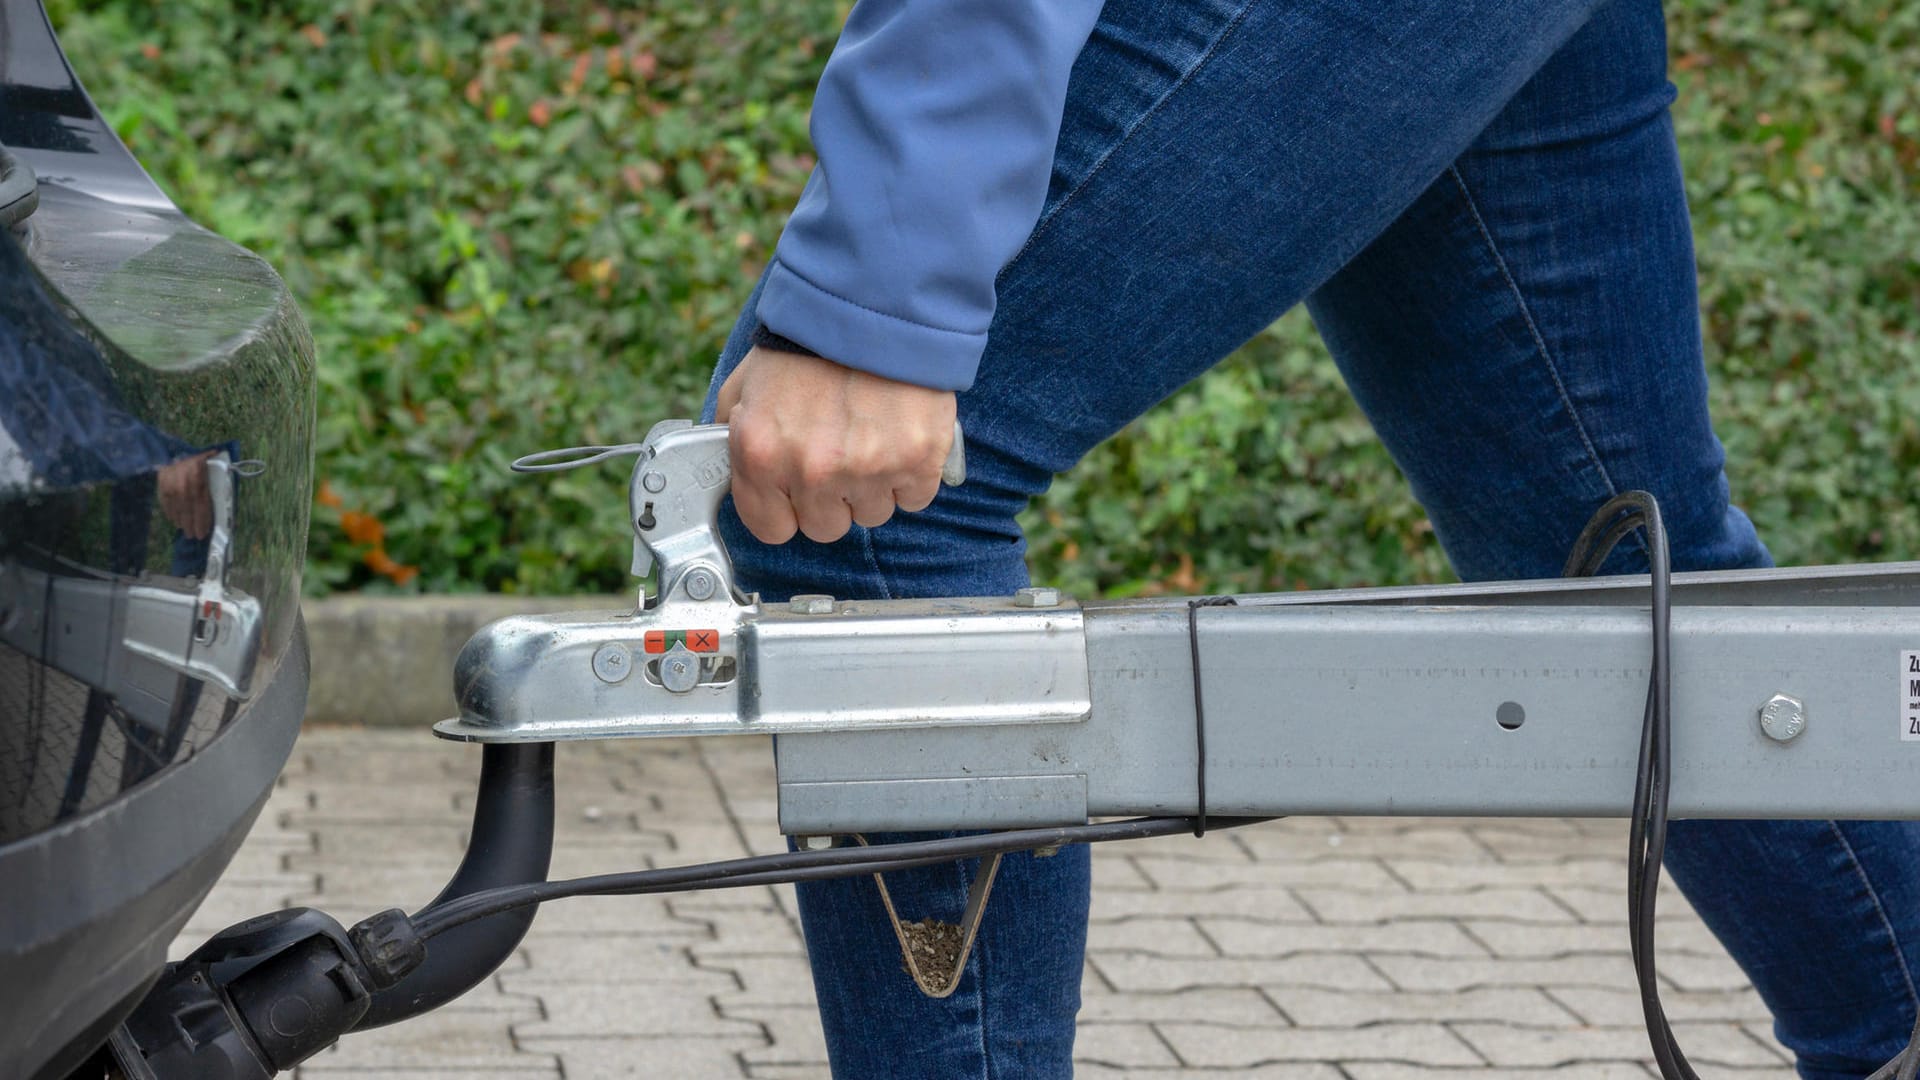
x: 793, y: 866
x: 1200, y: 708
x: 1647, y: 833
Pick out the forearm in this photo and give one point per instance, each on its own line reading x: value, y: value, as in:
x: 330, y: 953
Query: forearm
x: 934, y: 124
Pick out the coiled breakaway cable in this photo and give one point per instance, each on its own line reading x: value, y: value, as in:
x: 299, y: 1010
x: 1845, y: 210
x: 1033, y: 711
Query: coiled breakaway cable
x: 1647, y: 832
x: 1646, y: 842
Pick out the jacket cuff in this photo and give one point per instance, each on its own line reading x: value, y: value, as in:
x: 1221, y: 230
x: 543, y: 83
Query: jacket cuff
x: 856, y: 336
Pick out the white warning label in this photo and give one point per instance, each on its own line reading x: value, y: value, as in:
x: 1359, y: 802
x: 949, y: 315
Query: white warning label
x: 1910, y: 696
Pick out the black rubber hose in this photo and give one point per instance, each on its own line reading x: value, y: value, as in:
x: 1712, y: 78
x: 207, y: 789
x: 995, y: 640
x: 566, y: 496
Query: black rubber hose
x: 512, y: 844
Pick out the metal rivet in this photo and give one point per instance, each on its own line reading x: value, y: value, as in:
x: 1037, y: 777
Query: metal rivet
x: 701, y: 583
x: 1037, y: 596
x: 811, y: 604
x: 654, y: 482
x: 612, y: 662
x: 1783, y: 717
x: 1510, y: 715
x: 679, y: 670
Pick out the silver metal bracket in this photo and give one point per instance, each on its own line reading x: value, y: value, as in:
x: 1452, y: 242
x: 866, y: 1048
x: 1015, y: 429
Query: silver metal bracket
x: 1520, y: 698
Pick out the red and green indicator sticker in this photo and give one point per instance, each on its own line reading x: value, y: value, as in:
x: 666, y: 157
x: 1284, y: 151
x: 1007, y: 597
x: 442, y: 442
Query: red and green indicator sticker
x: 701, y: 641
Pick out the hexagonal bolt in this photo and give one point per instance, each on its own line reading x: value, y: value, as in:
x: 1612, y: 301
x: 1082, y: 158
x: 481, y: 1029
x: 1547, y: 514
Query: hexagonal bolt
x: 701, y: 583
x: 1037, y: 596
x: 612, y: 663
x: 811, y: 604
x: 1783, y: 717
x: 813, y: 843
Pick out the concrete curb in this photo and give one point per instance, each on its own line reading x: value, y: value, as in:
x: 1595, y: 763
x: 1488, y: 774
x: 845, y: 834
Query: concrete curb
x: 387, y: 661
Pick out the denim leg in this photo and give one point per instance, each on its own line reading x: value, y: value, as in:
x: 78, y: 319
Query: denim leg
x: 1219, y: 160
x: 1526, y: 340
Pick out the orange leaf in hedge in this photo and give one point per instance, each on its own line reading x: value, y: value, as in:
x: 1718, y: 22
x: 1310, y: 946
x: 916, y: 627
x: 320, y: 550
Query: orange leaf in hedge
x: 540, y: 112
x: 378, y: 561
x: 327, y: 497
x: 362, y: 528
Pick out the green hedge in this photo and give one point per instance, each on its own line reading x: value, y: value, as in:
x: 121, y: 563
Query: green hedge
x: 516, y: 226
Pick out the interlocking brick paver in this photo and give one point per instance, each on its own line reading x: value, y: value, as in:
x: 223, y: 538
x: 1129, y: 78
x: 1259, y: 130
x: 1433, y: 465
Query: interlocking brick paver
x: 1348, y: 905
x: 1510, y: 939
x: 1159, y: 936
x: 1140, y: 972
x: 1246, y: 937
x: 1286, y: 1071
x: 1586, y: 1070
x: 1185, y: 875
x: 1303, y: 949
x: 1437, y: 973
x: 1620, y: 1007
x: 1227, y: 1005
x: 1433, y: 842
x: 656, y: 1058
x: 452, y: 1038
x: 1607, y: 904
x: 793, y: 1033
x: 509, y: 1073
x: 1310, y: 1007
x: 1275, y: 904
x: 1438, y: 876
x: 1505, y: 1044
x: 1220, y: 1046
x: 1127, y: 1046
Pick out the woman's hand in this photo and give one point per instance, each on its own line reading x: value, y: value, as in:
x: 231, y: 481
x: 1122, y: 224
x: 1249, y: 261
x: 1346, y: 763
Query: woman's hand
x: 817, y: 447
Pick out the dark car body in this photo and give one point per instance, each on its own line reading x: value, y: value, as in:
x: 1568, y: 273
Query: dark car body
x: 156, y: 422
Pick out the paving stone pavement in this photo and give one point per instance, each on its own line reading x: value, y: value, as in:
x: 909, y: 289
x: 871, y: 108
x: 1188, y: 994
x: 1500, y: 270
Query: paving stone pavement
x: 1305, y: 949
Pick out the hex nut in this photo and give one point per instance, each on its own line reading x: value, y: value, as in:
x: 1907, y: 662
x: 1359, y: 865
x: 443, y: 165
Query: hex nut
x: 811, y: 604
x: 1037, y: 596
x: 1783, y: 717
x: 612, y: 663
x: 813, y: 843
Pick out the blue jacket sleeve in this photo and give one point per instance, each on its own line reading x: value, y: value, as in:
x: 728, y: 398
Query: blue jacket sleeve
x: 934, y: 127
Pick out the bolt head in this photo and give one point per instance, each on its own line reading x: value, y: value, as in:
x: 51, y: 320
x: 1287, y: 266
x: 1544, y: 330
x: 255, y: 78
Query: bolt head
x: 701, y: 584
x: 1783, y: 717
x: 811, y: 604
x: 814, y: 843
x: 653, y: 482
x: 1037, y: 596
x: 679, y: 671
x: 612, y: 663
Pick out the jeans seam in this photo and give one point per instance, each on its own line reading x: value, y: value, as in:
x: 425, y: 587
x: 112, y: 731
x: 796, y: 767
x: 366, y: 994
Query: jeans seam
x: 1533, y: 330
x: 1046, y: 221
x: 873, y: 563
x: 1860, y: 871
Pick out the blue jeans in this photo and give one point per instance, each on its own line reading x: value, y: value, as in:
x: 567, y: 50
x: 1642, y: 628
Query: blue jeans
x: 1481, y: 205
